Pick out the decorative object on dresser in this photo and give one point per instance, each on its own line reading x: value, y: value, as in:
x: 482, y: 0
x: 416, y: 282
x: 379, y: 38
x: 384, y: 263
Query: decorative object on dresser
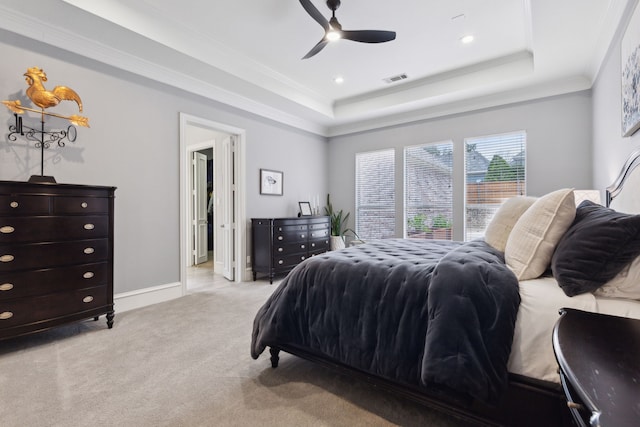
x: 56, y: 255
x: 44, y: 99
x: 305, y: 209
x: 279, y: 244
x: 599, y: 364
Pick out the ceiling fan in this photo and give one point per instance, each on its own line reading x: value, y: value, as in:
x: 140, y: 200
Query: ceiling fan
x: 333, y: 30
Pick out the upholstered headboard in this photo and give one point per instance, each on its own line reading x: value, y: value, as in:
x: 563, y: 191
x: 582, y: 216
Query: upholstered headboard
x: 624, y: 194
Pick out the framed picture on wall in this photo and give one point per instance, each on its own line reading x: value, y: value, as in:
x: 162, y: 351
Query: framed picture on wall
x: 271, y: 182
x: 630, y: 66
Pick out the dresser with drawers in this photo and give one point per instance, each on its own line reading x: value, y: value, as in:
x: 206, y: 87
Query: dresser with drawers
x: 279, y: 244
x: 56, y: 255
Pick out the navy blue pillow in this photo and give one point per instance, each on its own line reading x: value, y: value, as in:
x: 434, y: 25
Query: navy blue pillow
x: 597, y: 246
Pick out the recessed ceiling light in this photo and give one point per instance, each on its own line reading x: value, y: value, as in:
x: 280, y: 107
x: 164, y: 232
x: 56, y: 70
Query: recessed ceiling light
x: 466, y: 39
x: 338, y: 80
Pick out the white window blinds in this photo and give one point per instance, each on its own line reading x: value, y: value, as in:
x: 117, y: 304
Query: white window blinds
x: 428, y: 191
x: 495, y: 169
x: 375, y: 194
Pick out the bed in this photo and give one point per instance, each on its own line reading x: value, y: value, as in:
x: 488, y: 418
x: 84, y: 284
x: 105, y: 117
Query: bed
x: 465, y: 327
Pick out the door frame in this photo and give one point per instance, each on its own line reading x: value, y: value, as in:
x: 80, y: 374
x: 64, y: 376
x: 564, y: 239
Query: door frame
x: 187, y: 120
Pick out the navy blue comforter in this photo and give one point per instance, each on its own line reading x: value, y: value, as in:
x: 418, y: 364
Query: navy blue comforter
x: 423, y: 313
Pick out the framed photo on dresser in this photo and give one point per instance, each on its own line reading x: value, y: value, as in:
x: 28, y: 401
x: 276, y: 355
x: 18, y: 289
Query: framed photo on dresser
x: 305, y: 208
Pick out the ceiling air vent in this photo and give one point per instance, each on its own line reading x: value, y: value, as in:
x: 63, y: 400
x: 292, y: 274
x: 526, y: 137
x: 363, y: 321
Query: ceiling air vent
x: 394, y: 79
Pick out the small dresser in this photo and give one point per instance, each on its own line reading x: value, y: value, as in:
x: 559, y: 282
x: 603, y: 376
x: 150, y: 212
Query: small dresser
x: 599, y: 359
x: 56, y: 255
x: 279, y: 244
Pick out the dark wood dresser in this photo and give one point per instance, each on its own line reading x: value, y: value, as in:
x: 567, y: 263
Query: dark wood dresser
x: 599, y: 359
x: 56, y: 255
x: 279, y: 244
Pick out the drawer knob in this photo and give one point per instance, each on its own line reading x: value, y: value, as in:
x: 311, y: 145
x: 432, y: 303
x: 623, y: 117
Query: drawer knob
x: 280, y: 262
x: 7, y: 229
x: 88, y: 251
x: 6, y: 258
x: 88, y: 275
x: 14, y: 204
x: 6, y: 286
x: 88, y: 298
x: 280, y: 237
x: 6, y: 315
x: 302, y: 258
x: 302, y: 236
x: 313, y: 245
x: 89, y: 226
x: 280, y: 249
x: 302, y: 246
x: 84, y: 205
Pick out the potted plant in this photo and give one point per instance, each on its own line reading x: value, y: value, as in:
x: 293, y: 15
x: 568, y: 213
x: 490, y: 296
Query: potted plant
x: 338, y: 225
x: 418, y: 228
x: 441, y: 227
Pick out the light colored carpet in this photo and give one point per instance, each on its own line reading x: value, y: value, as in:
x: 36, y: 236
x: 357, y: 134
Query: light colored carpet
x: 185, y: 362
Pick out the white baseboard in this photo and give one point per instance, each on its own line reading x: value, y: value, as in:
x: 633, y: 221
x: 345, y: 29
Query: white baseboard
x: 143, y: 297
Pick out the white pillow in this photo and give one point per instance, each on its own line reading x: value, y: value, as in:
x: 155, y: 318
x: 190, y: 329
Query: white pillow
x: 534, y: 237
x: 625, y: 285
x: 500, y: 226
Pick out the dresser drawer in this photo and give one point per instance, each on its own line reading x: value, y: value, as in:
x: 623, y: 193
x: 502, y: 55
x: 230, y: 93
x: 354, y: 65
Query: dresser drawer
x: 38, y: 229
x: 319, y: 246
x: 50, y: 280
x: 23, y: 204
x: 46, y: 307
x: 42, y: 255
x: 288, y: 261
x: 290, y: 234
x: 319, y: 226
x: 319, y: 234
x: 280, y: 250
x: 80, y: 205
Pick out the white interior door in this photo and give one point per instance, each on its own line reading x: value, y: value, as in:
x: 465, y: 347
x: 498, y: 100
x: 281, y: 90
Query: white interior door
x: 225, y: 207
x: 200, y: 208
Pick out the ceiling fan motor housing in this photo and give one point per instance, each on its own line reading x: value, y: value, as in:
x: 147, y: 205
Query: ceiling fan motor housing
x: 333, y: 4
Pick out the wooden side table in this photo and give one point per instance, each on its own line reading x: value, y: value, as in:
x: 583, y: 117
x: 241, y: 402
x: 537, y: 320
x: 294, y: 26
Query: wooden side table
x: 599, y: 359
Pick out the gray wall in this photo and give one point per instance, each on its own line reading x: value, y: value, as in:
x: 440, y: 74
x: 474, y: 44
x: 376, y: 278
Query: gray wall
x: 610, y: 149
x: 558, y: 147
x: 133, y: 144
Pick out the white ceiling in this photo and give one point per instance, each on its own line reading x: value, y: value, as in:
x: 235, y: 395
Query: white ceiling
x: 247, y: 53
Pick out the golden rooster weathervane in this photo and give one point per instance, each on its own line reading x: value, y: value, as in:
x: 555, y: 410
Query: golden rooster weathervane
x: 44, y: 99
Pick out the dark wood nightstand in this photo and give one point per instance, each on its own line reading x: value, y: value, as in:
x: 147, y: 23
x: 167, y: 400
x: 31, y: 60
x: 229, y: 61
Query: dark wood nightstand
x: 599, y: 358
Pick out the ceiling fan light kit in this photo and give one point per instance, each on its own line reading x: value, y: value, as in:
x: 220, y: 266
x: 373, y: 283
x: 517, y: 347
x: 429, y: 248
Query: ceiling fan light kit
x: 333, y: 29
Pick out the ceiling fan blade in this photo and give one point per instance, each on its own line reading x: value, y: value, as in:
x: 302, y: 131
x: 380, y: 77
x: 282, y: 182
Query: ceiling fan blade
x: 369, y: 36
x: 317, y: 48
x: 315, y: 14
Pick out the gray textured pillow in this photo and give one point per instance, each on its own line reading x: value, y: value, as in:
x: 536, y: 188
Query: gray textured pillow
x: 599, y: 245
x: 500, y: 226
x: 534, y: 237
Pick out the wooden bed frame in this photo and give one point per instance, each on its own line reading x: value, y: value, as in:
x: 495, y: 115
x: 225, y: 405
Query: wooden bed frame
x: 527, y: 403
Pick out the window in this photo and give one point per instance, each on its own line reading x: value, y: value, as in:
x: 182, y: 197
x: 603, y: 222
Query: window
x: 428, y: 190
x: 494, y: 172
x: 375, y: 194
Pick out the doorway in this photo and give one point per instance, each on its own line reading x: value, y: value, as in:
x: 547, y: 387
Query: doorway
x: 212, y: 169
